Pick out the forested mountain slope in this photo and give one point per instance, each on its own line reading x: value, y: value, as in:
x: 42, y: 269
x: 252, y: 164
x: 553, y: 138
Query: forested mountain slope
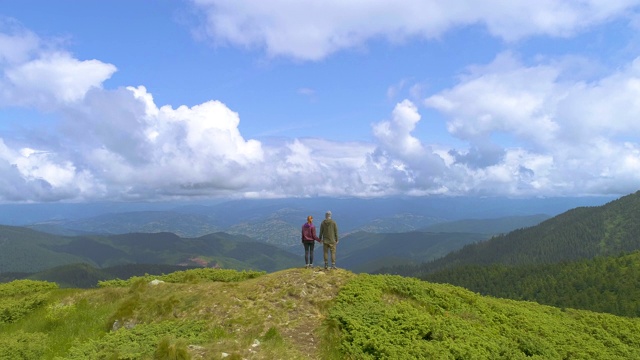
x: 26, y: 250
x: 367, y: 252
x: 580, y: 233
x: 495, y: 226
x: 603, y: 284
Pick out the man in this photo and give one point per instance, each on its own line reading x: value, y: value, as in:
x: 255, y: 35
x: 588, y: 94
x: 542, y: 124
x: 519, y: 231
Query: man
x: 329, y: 236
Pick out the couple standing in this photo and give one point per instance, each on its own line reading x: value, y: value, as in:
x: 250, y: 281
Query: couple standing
x: 328, y: 236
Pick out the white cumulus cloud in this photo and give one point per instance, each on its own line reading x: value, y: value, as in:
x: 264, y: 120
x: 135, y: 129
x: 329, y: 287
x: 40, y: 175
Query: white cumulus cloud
x: 531, y: 128
x: 33, y: 74
x: 526, y: 128
x: 396, y: 133
x: 311, y: 30
x: 55, y: 77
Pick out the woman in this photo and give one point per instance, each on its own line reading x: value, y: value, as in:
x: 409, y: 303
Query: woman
x: 308, y: 240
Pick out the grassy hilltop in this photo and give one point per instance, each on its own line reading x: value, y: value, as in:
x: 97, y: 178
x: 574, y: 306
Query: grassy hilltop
x: 295, y: 314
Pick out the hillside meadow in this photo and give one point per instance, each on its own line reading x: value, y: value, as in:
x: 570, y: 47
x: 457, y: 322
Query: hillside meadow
x: 295, y: 314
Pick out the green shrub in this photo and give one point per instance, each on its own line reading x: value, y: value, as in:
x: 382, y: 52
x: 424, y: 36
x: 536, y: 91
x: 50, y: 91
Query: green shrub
x: 22, y: 346
x: 20, y: 297
x: 24, y: 287
x: 188, y: 276
x: 13, y: 309
x: 391, y: 317
x: 143, y: 341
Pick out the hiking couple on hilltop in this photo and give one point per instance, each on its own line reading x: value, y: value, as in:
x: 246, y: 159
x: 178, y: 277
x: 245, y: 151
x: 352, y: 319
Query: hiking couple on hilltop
x: 328, y: 236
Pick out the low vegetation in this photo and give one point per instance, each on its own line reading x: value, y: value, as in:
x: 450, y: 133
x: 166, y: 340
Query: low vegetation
x: 392, y: 317
x: 295, y: 314
x: 188, y: 276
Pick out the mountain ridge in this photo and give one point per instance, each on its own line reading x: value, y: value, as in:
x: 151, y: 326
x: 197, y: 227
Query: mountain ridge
x: 297, y: 314
x: 579, y: 233
x: 26, y: 250
x: 358, y: 251
x: 353, y: 214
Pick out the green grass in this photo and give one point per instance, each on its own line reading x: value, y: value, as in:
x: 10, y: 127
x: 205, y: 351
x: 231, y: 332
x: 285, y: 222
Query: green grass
x: 391, y: 317
x: 300, y: 314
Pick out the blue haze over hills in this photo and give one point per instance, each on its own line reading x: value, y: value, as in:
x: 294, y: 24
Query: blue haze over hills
x: 352, y: 214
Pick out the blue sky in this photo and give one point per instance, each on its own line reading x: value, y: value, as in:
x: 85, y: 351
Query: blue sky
x: 192, y: 99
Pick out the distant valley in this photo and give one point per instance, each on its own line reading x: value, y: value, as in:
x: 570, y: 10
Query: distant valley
x: 277, y: 222
x: 378, y: 235
x: 28, y: 251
